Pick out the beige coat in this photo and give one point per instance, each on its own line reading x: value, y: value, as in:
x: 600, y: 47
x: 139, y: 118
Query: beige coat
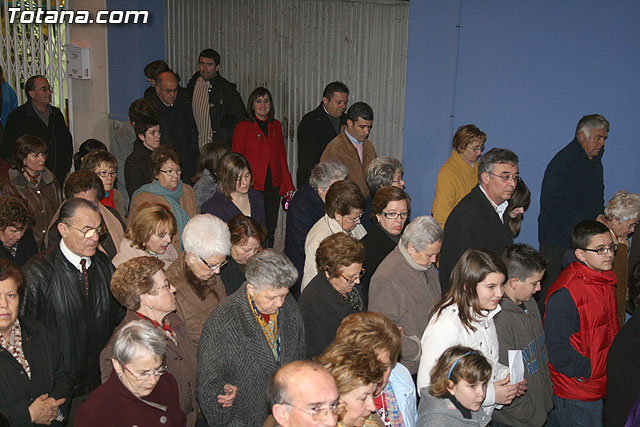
x: 342, y: 150
x: 195, y: 299
x: 127, y: 250
x: 187, y: 201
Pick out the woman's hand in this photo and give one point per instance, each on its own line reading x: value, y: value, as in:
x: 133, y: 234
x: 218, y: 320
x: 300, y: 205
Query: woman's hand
x: 44, y: 409
x: 230, y: 393
x: 505, y: 392
x: 522, y: 388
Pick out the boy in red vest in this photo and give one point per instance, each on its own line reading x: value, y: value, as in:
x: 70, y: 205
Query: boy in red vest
x: 580, y: 325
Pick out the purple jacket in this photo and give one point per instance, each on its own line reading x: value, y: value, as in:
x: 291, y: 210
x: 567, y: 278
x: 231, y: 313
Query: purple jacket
x: 224, y: 208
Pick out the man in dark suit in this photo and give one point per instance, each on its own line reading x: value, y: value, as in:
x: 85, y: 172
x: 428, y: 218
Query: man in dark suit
x: 177, y: 126
x: 39, y: 118
x: 478, y: 219
x: 318, y: 127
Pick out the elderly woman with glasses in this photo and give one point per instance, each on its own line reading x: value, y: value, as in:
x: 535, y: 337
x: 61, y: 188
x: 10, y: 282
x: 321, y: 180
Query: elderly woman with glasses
x: 196, y: 273
x: 344, y: 204
x: 621, y: 216
x: 391, y: 209
x: 149, y: 233
x: 31, y: 180
x: 142, y: 287
x: 359, y: 375
x: 247, y: 237
x: 139, y: 391
x: 331, y: 295
x: 459, y: 174
x: 246, y: 339
x: 34, y: 381
x: 168, y: 189
x: 405, y: 286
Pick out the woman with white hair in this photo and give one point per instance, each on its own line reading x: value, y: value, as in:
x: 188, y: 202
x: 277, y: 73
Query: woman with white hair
x: 405, y: 287
x: 621, y: 215
x: 139, y: 390
x: 306, y: 208
x: 196, y: 273
x: 246, y: 339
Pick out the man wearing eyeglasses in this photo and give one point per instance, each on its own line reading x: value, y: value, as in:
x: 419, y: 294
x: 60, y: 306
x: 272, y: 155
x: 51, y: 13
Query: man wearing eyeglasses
x: 580, y: 323
x: 177, y: 126
x: 478, y: 220
x: 67, y: 291
x: 303, y: 394
x: 39, y: 118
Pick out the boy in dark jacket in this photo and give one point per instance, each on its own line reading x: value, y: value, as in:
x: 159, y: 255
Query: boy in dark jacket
x: 519, y: 327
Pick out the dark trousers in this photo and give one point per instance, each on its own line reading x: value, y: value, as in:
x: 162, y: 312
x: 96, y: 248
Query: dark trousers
x: 271, y: 196
x: 554, y: 255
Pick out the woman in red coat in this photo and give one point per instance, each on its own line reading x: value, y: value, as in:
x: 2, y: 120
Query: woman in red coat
x: 259, y: 139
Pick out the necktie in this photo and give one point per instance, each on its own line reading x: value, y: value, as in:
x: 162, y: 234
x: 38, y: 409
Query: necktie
x: 85, y: 277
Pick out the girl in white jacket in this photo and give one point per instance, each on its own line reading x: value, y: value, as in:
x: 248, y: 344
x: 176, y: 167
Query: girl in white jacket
x: 465, y: 317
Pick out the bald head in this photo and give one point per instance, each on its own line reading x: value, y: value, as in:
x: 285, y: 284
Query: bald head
x: 167, y: 87
x: 300, y: 389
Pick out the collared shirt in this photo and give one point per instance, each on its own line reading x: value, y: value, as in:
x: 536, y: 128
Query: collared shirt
x: 200, y: 104
x: 335, y: 121
x: 500, y: 209
x: 73, y: 258
x: 43, y: 116
x: 356, y: 143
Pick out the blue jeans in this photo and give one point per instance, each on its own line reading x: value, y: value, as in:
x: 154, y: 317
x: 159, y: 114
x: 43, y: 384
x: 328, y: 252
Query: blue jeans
x: 578, y: 413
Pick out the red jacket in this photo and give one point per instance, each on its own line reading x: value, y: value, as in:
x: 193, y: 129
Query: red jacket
x: 594, y: 293
x: 260, y: 151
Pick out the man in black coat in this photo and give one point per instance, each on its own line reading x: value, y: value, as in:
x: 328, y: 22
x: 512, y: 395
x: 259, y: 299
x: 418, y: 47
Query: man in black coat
x: 177, y: 126
x: 217, y: 105
x: 38, y: 117
x: 318, y: 127
x: 478, y: 219
x: 67, y: 291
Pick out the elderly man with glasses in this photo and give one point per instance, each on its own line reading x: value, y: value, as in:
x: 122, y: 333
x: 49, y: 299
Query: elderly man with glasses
x: 478, y: 220
x: 39, y: 118
x: 67, y: 291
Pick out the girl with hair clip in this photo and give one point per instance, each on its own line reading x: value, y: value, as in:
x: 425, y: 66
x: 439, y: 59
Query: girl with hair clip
x: 458, y: 388
x: 464, y: 316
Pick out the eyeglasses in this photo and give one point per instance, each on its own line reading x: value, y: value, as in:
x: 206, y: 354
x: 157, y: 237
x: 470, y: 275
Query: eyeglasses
x: 394, y: 215
x: 44, y: 89
x: 632, y: 226
x: 317, y: 412
x: 167, y: 285
x: 602, y: 251
x: 352, y: 280
x: 215, y: 266
x: 104, y: 174
x: 480, y: 148
x: 354, y: 220
x: 171, y: 172
x: 89, y: 232
x: 158, y: 372
x: 506, y: 178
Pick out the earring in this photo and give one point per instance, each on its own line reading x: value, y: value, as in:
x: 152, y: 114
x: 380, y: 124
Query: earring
x: 151, y: 307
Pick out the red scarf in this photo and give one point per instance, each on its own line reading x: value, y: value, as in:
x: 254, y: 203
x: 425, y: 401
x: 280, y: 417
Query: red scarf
x: 165, y: 325
x: 108, y: 200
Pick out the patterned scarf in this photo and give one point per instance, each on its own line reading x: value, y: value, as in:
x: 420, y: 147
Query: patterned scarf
x: 387, y: 408
x: 14, y: 346
x: 165, y: 327
x: 269, y: 329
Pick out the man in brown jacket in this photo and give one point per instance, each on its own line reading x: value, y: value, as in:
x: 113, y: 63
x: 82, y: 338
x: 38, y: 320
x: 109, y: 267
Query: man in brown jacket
x: 351, y: 147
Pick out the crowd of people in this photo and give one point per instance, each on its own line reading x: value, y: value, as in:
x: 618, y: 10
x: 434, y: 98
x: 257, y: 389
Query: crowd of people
x: 143, y: 287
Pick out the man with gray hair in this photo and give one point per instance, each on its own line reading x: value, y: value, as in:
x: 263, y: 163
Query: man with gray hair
x: 196, y: 273
x: 572, y: 191
x: 67, y: 291
x: 303, y: 394
x: 478, y: 219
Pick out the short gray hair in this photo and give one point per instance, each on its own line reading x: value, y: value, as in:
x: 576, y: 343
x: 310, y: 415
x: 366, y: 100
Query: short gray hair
x: 270, y: 268
x: 380, y: 172
x: 326, y: 173
x: 422, y: 232
x: 623, y: 205
x: 70, y: 207
x: 136, y: 337
x: 493, y: 157
x: 592, y: 121
x: 206, y: 235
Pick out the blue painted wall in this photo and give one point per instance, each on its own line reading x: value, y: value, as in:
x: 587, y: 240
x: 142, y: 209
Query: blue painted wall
x: 131, y: 47
x: 524, y: 72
